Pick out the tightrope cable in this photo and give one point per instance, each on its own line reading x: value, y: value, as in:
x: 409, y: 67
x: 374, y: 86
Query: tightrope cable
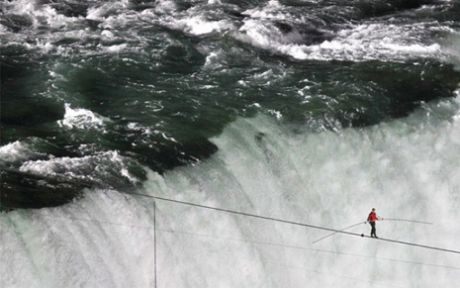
x: 357, y: 224
x: 333, y: 233
x: 315, y: 250
x: 253, y: 241
x: 295, y: 223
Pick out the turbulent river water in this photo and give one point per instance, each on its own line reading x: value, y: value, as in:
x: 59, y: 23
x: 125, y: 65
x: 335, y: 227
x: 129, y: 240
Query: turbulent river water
x: 305, y: 110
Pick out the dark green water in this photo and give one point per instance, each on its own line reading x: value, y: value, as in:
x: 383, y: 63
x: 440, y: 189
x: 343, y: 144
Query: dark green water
x: 308, y: 111
x: 94, y: 92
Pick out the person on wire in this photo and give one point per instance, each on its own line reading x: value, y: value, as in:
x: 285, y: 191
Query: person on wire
x: 372, y: 218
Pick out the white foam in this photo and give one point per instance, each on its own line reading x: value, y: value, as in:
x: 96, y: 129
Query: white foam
x: 16, y: 151
x: 452, y: 49
x: 278, y: 115
x: 102, y: 240
x: 140, y: 128
x: 40, y: 14
x: 107, y: 34
x: 359, y: 43
x: 407, y: 168
x: 57, y: 166
x: 92, y: 167
x: 80, y: 118
x: 272, y: 11
x: 49, y: 28
x: 164, y: 6
x: 198, y: 25
x: 116, y: 48
x: 100, y: 12
x: 215, y: 60
x: 457, y: 95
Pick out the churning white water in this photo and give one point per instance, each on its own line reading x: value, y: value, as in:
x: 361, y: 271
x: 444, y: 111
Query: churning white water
x: 407, y: 168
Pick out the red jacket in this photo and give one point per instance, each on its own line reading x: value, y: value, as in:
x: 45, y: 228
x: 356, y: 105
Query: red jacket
x: 372, y: 217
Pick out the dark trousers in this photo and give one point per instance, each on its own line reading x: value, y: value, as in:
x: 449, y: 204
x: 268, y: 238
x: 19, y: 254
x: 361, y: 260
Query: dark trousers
x: 373, y: 230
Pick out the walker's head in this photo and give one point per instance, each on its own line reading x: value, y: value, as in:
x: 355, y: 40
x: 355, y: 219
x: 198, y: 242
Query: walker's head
x: 373, y: 209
